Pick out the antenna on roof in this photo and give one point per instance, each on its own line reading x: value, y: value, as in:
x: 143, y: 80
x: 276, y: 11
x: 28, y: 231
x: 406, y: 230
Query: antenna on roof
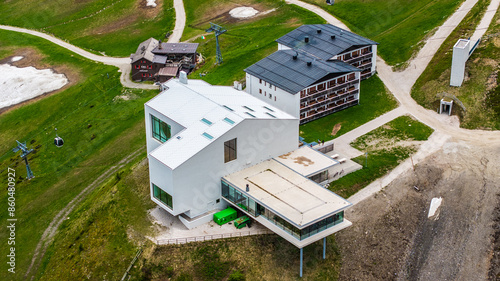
x: 159, y: 44
x: 218, y: 30
x: 26, y: 151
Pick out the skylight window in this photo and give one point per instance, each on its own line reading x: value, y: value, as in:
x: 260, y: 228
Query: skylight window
x: 229, y: 121
x: 268, y: 108
x: 270, y: 114
x: 250, y: 114
x: 248, y: 108
x: 206, y: 121
x: 228, y: 108
x: 208, y: 136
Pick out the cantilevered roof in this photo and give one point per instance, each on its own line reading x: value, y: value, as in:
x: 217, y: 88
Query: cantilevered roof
x: 321, y: 44
x: 176, y: 48
x: 188, y: 104
x: 144, y: 50
x: 288, y: 194
x: 306, y: 161
x: 293, y: 75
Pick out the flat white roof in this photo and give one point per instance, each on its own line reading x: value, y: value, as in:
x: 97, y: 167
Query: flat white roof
x: 461, y: 43
x: 187, y: 104
x: 306, y: 161
x: 290, y: 195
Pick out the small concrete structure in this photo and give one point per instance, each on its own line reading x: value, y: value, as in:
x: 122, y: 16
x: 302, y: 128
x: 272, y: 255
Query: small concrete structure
x: 460, y: 57
x: 446, y: 106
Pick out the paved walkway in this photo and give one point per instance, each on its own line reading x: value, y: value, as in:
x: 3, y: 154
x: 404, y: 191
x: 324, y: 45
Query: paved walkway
x: 180, y: 22
x: 485, y: 21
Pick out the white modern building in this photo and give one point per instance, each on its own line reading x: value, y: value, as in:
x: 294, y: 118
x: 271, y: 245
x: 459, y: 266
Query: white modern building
x: 315, y: 72
x: 214, y: 146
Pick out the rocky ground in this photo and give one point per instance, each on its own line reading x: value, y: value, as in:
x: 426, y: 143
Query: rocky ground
x: 393, y: 239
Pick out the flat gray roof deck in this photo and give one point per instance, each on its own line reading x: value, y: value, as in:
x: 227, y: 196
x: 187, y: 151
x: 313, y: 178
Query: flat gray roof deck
x: 290, y: 195
x: 306, y: 161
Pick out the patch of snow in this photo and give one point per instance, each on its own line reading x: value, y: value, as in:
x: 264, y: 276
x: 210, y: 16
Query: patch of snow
x: 21, y: 84
x: 16, y: 58
x: 243, y: 12
x: 435, y: 203
x: 151, y: 3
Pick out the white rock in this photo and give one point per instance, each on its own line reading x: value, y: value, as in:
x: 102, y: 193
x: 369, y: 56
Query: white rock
x: 435, y: 203
x: 16, y: 58
x: 151, y: 3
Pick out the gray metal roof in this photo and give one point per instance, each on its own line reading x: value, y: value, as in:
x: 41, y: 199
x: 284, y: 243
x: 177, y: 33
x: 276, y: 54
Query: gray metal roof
x: 281, y: 70
x: 321, y: 44
x: 144, y: 50
x: 160, y: 59
x: 176, y: 48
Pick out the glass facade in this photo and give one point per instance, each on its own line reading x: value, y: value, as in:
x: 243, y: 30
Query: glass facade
x: 161, y: 130
x: 161, y: 195
x: 255, y: 209
x: 320, y: 177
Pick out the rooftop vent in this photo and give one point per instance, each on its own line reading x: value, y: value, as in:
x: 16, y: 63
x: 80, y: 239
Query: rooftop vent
x: 248, y: 188
x: 333, y: 37
x: 306, y: 39
x: 319, y: 31
x: 183, y: 77
x: 294, y: 57
x: 309, y: 63
x: 159, y: 44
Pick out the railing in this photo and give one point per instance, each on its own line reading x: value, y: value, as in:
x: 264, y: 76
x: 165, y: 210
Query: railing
x: 211, y: 237
x: 327, y: 148
x: 329, y: 111
x: 329, y: 90
x: 358, y: 58
x: 328, y: 100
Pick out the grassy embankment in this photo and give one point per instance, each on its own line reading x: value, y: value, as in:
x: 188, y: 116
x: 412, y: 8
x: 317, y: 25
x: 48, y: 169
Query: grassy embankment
x: 387, y: 146
x: 114, y: 27
x: 101, y: 123
x: 398, y: 25
x: 479, y: 93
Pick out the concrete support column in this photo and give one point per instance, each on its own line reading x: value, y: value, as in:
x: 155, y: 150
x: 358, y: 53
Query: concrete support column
x: 301, y: 256
x: 324, y: 248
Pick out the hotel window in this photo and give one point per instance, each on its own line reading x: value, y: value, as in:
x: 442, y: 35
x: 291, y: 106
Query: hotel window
x: 230, y: 150
x: 161, y: 195
x: 260, y: 81
x: 161, y: 130
x: 351, y: 76
x: 260, y: 91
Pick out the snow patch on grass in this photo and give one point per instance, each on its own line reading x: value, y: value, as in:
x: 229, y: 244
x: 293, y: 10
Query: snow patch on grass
x: 21, y: 84
x: 243, y: 12
x: 151, y: 3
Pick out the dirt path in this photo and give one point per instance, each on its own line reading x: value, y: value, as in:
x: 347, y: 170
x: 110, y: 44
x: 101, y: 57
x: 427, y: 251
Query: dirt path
x: 392, y: 238
x: 49, y: 233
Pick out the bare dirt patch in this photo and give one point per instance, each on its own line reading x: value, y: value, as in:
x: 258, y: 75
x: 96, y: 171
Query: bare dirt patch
x: 392, y: 238
x: 336, y: 129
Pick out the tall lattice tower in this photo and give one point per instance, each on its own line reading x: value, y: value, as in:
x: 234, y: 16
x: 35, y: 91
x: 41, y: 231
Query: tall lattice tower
x: 218, y: 30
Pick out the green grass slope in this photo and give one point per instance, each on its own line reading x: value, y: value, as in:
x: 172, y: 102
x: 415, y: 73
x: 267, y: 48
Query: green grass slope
x: 114, y: 27
x: 98, y: 127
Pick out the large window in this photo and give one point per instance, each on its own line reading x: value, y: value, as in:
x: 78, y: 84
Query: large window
x: 161, y: 195
x: 161, y: 130
x: 229, y: 150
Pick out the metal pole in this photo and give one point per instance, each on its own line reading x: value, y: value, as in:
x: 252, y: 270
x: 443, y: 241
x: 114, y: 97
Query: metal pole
x: 324, y: 248
x: 301, y: 254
